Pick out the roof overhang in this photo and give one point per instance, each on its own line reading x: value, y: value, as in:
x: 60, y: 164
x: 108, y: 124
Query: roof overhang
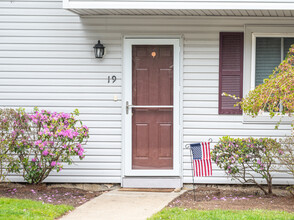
x: 171, y: 7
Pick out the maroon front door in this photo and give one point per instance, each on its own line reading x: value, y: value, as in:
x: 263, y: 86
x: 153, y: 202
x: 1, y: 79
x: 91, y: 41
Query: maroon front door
x: 152, y: 122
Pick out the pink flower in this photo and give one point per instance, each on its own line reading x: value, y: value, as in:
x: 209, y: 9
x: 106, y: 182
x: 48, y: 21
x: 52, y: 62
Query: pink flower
x: 53, y: 163
x: 75, y: 134
x: 34, y: 160
x: 38, y: 142
x: 84, y: 126
x: 45, y: 152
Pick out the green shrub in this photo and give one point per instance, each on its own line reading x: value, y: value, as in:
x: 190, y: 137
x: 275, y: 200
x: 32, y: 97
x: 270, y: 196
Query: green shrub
x: 247, y: 159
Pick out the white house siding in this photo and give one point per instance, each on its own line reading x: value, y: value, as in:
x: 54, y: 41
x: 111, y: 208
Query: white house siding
x: 46, y: 60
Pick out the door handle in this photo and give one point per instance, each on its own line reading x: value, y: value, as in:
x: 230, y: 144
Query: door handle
x: 146, y: 106
x: 127, y: 107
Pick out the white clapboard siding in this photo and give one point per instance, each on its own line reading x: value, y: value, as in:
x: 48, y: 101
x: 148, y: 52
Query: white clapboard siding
x: 61, y: 89
x: 46, y: 60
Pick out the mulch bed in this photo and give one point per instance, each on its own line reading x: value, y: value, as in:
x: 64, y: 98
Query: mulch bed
x: 234, y: 198
x: 59, y: 195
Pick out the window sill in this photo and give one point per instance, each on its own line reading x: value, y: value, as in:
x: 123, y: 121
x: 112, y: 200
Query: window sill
x: 265, y: 118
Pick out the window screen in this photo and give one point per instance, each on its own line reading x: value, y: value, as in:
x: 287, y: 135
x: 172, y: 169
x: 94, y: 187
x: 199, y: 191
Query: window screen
x: 268, y: 56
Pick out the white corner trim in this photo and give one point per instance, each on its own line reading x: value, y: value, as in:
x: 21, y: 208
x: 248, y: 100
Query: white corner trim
x: 127, y: 96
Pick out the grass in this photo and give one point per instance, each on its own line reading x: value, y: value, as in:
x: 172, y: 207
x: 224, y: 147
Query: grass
x: 189, y: 214
x: 11, y: 209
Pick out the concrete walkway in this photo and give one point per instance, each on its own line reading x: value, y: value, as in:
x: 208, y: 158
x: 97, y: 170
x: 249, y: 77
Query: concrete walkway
x: 122, y: 205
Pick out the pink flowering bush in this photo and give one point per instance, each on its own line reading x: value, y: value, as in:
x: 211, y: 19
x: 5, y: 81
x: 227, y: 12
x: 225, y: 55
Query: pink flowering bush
x: 44, y: 140
x: 7, y: 117
x: 286, y: 158
x: 248, y: 159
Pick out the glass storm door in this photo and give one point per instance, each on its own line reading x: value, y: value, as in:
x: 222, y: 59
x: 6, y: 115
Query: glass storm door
x: 152, y: 107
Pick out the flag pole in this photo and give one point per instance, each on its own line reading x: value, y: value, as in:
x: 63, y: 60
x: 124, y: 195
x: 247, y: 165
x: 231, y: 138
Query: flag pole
x: 194, y: 196
x: 204, y: 155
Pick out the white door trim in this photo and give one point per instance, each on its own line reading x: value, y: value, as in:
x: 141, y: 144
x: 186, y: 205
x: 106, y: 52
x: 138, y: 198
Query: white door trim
x: 127, y: 118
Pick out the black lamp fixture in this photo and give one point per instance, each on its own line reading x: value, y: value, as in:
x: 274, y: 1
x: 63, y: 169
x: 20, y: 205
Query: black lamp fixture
x: 99, y: 50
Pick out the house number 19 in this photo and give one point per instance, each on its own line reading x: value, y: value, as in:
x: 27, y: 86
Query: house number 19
x: 111, y: 79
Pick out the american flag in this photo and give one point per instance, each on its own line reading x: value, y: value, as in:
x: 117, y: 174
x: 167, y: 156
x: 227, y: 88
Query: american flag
x: 201, y: 159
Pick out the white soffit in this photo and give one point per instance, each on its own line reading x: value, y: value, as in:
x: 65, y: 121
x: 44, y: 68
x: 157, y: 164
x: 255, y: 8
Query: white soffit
x: 168, y: 12
x: 258, y: 8
x: 184, y: 4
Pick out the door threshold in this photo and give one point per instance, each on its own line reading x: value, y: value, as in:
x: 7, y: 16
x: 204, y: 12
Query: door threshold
x: 152, y: 182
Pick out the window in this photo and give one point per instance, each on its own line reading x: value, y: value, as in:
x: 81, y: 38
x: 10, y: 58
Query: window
x: 254, y: 56
x: 270, y: 52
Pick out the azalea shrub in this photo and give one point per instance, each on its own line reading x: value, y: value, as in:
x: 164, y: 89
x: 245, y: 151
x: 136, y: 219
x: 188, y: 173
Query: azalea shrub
x: 43, y: 141
x: 248, y: 159
x: 287, y: 157
x: 7, y: 118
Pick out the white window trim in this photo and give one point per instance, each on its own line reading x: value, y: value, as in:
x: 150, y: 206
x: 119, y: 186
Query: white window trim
x: 251, y: 33
x: 127, y: 140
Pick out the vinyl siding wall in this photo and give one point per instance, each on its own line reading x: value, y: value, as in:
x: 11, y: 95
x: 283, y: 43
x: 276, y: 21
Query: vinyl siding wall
x: 46, y: 60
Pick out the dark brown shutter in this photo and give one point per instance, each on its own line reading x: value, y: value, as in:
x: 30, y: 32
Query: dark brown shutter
x: 230, y: 71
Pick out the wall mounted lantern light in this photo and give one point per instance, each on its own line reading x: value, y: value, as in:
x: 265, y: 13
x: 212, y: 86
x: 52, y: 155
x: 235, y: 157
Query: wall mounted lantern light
x: 99, y: 50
